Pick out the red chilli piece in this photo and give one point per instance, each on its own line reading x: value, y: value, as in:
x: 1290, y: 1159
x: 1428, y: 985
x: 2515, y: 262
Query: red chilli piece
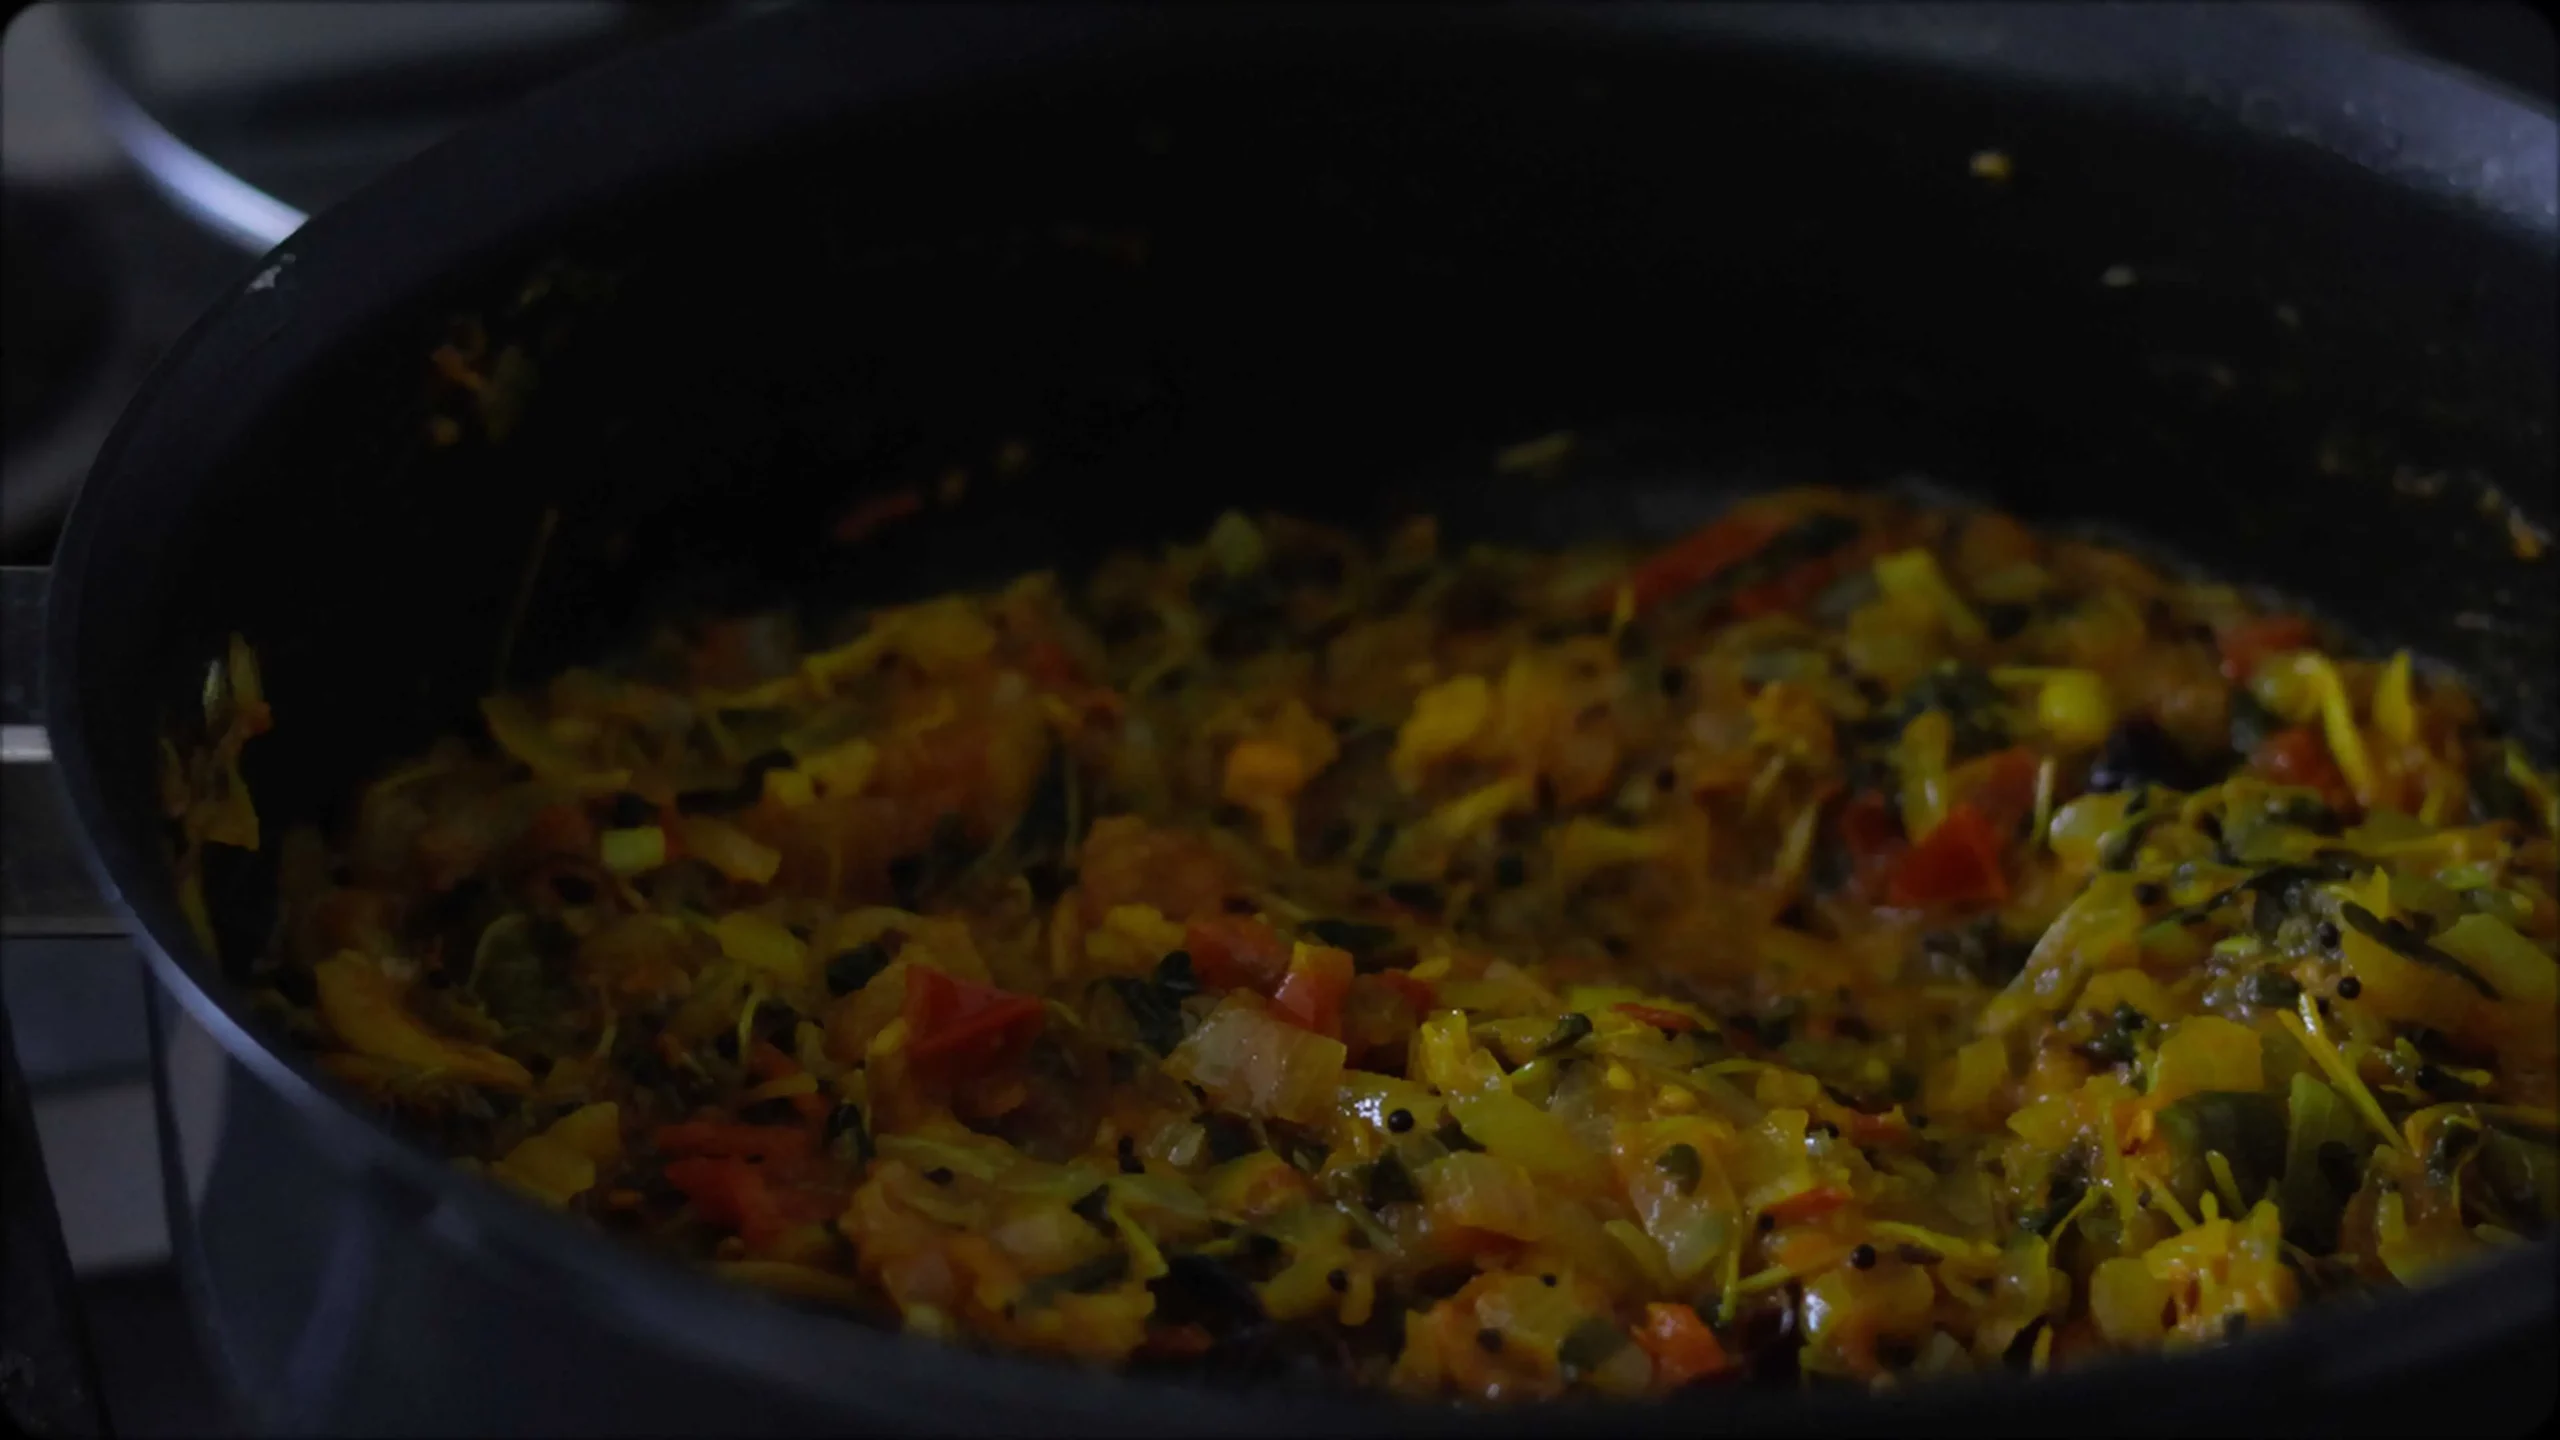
x: 1820, y: 1200
x: 1700, y: 556
x: 874, y: 512
x: 1656, y: 1016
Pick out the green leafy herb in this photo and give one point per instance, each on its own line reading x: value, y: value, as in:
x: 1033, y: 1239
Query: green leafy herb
x: 1389, y: 1183
x: 2455, y: 1140
x: 1094, y: 1208
x: 1099, y: 1273
x: 2117, y: 848
x: 2251, y: 722
x: 1681, y: 1163
x: 1571, y: 1030
x: 859, y: 966
x: 2247, y: 1128
x: 2409, y: 945
x: 2062, y: 1195
x: 2269, y: 990
x: 1453, y: 1137
x: 848, y: 1134
x: 2522, y: 1174
x: 1174, y: 977
x: 1966, y: 695
x: 1155, y: 1004
x: 1589, y: 1344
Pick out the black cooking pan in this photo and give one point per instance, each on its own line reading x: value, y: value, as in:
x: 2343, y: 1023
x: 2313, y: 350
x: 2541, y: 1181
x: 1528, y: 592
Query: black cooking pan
x: 2273, y: 305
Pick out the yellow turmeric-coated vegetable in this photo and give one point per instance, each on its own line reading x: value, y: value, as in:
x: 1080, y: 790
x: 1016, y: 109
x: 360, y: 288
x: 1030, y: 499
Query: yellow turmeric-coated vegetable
x: 364, y: 1008
x: 1851, y: 940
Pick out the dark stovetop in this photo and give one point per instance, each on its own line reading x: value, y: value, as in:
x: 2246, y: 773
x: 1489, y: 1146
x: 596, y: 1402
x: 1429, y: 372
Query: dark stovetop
x: 48, y: 1379
x: 95, y: 1336
x: 48, y: 1376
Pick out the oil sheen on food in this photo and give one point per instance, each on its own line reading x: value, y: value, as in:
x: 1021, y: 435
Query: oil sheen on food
x: 1861, y: 939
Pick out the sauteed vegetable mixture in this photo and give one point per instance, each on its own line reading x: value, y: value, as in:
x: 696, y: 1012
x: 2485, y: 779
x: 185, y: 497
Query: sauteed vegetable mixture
x: 1863, y: 940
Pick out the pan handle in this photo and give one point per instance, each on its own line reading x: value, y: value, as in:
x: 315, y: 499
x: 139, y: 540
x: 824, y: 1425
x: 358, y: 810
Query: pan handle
x: 247, y: 217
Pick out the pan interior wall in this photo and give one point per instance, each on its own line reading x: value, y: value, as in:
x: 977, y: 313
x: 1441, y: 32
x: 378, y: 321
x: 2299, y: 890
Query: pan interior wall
x: 1337, y: 286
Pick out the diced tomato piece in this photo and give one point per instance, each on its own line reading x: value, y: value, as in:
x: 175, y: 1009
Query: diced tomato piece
x: 1378, y: 1019
x: 729, y: 1193
x: 1958, y: 863
x: 767, y: 1062
x: 1868, y: 827
x: 1700, y: 556
x: 1418, y: 992
x: 962, y: 1027
x: 2002, y: 786
x: 1310, y: 997
x: 2300, y: 756
x: 1873, y: 836
x: 1682, y: 1347
x: 1656, y: 1016
x: 739, y: 1195
x: 562, y: 830
x: 1049, y: 665
x: 2251, y: 641
x: 1178, y: 1342
x: 1236, y: 952
x: 729, y: 1140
